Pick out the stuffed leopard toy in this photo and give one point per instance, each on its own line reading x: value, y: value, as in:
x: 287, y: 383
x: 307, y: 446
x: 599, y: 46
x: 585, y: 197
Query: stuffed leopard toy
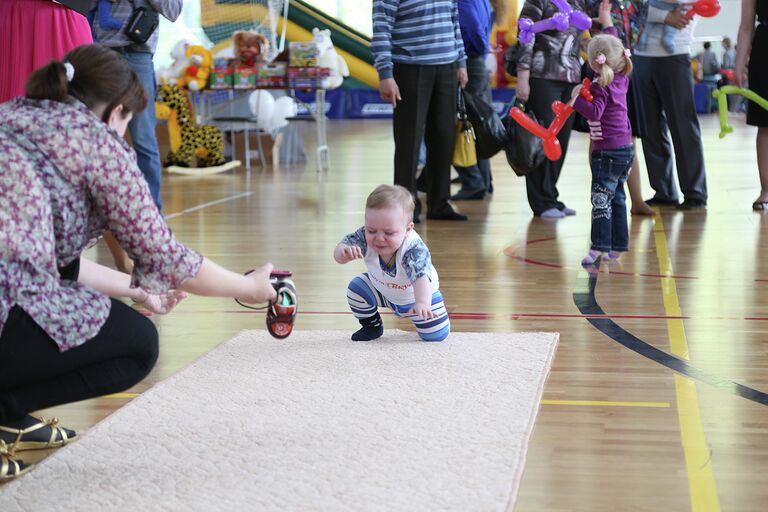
x: 187, y: 139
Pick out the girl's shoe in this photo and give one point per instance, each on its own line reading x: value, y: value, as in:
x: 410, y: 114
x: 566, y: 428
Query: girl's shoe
x: 282, y: 313
x: 611, y: 255
x: 591, y: 257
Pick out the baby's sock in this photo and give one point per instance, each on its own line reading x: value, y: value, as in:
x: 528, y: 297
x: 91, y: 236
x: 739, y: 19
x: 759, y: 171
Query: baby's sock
x: 372, y: 328
x: 591, y: 257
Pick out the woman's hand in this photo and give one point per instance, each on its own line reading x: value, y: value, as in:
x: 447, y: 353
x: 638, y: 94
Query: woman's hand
x: 740, y: 74
x: 260, y: 288
x: 604, y: 14
x: 422, y: 310
x: 161, y: 303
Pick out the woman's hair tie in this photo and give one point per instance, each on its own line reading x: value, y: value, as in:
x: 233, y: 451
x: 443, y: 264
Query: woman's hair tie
x: 70, y: 70
x: 627, y: 53
x: 600, y: 59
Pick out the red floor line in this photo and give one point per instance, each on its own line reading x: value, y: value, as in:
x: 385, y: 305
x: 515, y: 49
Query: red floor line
x: 516, y: 316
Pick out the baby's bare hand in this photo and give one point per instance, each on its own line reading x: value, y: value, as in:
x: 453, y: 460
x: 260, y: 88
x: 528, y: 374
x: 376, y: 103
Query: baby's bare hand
x: 351, y: 253
x: 423, y: 311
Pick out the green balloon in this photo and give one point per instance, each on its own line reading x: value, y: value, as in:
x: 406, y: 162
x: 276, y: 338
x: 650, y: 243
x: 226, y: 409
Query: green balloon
x: 722, y: 104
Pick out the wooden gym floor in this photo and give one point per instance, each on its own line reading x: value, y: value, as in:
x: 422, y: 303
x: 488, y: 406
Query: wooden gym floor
x: 618, y: 429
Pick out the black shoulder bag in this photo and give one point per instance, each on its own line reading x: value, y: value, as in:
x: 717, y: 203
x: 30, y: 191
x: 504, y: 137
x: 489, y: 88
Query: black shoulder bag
x: 142, y: 23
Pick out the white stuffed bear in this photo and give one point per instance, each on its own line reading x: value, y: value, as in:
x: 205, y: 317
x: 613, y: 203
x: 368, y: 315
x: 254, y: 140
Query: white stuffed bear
x: 329, y: 58
x: 177, y: 69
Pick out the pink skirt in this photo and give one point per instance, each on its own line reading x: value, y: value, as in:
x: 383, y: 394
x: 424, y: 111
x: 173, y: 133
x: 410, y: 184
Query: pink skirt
x: 33, y: 33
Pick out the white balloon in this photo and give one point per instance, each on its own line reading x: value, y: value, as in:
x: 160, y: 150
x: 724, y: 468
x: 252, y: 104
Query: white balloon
x: 262, y: 107
x: 284, y: 107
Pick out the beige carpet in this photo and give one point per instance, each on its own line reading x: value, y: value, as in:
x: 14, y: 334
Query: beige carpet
x: 314, y: 422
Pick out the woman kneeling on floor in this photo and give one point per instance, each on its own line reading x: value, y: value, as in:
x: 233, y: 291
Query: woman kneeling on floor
x: 68, y: 176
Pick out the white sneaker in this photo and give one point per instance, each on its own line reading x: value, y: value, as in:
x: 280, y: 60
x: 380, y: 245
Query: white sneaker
x: 552, y: 213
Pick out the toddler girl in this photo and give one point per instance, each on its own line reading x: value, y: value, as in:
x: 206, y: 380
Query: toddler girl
x: 400, y: 274
x: 611, y: 134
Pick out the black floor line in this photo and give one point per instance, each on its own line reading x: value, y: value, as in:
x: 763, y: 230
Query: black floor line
x: 584, y: 298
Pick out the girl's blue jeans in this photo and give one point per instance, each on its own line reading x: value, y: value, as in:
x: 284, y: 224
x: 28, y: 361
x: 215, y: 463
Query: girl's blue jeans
x: 610, y: 169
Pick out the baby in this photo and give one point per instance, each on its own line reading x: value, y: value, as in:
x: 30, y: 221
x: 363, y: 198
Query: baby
x: 668, y: 34
x: 399, y: 276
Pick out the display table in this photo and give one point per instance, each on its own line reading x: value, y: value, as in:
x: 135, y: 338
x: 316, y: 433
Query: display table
x: 217, y: 105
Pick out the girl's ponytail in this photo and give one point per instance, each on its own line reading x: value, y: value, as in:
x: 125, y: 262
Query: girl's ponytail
x: 606, y: 74
x: 48, y: 82
x: 627, y: 64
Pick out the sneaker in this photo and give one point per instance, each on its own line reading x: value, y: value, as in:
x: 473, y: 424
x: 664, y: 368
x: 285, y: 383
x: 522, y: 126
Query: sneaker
x: 591, y: 257
x: 282, y: 313
x: 568, y: 211
x: 552, y: 213
x: 611, y: 256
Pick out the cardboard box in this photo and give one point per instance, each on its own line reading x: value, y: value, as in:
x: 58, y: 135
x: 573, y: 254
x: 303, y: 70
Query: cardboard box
x: 244, y: 77
x: 221, y: 78
x: 303, y: 54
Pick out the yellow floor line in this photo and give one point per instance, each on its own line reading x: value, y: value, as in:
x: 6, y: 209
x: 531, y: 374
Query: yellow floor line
x: 121, y: 395
x: 599, y: 403
x: 698, y: 463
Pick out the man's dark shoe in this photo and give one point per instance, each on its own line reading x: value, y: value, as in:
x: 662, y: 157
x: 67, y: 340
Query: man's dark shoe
x: 446, y: 214
x: 468, y: 195
x: 658, y: 201
x: 692, y: 204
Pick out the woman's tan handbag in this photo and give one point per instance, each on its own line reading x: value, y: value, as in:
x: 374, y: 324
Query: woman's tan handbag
x: 464, y: 152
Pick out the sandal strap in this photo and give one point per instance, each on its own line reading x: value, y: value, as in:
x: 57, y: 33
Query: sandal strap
x: 56, y: 431
x: 6, y: 462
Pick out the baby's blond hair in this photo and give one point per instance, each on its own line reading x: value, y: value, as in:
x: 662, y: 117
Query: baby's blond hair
x: 386, y: 196
x: 616, y: 61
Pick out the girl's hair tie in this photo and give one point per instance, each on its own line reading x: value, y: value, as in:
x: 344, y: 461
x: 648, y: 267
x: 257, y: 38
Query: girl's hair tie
x: 70, y: 70
x: 600, y: 59
x: 627, y: 53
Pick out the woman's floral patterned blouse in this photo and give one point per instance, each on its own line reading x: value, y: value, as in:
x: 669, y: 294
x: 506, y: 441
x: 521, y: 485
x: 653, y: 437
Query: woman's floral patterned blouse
x: 65, y: 177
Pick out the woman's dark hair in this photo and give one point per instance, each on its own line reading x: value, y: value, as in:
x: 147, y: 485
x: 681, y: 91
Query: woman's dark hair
x: 101, y: 77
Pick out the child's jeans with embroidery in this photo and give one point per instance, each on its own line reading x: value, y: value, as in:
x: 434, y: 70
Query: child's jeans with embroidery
x: 610, y: 169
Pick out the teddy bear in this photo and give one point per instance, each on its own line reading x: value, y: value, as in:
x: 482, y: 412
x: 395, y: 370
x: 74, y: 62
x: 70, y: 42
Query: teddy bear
x: 329, y: 58
x: 199, y: 69
x: 170, y: 74
x: 250, y: 48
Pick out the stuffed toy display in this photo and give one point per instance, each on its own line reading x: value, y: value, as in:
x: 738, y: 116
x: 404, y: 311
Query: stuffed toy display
x: 196, y: 73
x: 250, y: 48
x: 329, y: 58
x: 177, y: 69
x: 187, y: 139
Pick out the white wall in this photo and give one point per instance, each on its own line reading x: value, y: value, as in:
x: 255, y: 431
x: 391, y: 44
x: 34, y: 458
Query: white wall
x: 724, y: 24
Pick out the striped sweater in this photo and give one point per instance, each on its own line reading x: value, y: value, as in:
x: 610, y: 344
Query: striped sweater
x: 424, y: 32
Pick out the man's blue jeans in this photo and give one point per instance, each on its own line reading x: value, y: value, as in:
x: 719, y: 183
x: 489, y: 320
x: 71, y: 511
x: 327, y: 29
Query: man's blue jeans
x: 142, y: 126
x: 610, y: 169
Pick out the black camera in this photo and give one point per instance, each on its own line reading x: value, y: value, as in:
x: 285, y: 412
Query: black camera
x: 141, y: 24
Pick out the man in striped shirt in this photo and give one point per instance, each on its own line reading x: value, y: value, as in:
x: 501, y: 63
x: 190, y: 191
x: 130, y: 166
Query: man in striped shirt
x: 419, y: 54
